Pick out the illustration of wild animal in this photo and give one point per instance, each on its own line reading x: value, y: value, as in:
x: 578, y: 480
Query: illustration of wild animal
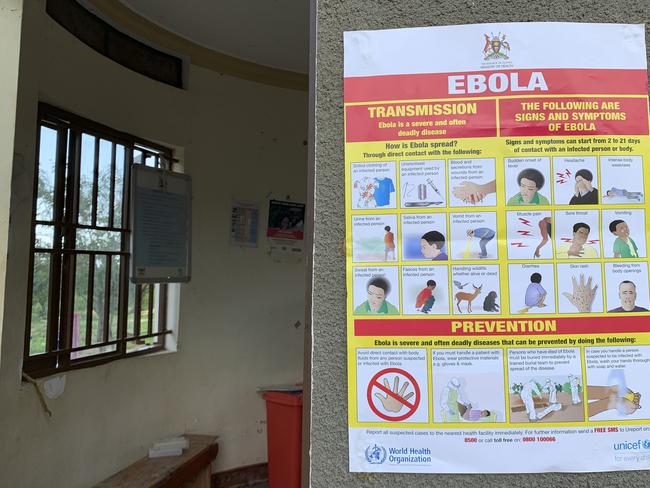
x: 461, y: 295
x: 490, y: 303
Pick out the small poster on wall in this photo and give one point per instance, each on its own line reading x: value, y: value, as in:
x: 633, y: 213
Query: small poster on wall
x: 286, y: 220
x: 244, y: 219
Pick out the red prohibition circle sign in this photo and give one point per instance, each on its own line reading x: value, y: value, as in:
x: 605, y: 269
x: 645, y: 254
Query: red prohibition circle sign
x: 411, y: 407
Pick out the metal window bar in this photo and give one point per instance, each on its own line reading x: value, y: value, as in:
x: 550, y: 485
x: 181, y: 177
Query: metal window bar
x: 95, y: 183
x: 111, y: 208
x: 63, y: 261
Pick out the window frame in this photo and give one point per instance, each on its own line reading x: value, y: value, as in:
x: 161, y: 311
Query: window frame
x: 59, y: 351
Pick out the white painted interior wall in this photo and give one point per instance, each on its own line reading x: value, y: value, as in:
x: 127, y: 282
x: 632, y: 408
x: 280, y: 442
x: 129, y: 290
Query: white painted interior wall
x: 237, y: 139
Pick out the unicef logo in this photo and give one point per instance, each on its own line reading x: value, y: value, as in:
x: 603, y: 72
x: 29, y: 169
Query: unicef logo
x: 375, y: 454
x: 646, y: 444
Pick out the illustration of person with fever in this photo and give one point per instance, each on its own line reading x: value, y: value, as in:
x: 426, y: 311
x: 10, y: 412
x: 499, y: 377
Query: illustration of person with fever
x: 530, y: 181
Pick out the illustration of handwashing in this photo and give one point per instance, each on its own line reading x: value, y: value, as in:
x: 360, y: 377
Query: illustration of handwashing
x: 614, y: 396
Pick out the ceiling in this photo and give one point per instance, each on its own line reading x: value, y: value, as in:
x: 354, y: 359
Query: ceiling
x: 269, y: 32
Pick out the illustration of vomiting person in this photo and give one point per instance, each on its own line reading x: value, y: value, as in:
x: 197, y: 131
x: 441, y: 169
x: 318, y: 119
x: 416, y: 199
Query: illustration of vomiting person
x: 624, y: 245
x: 431, y: 245
x: 425, y: 299
x: 485, y: 235
x: 578, y: 247
x: 530, y: 181
x: 535, y: 293
x: 378, y: 289
x: 389, y: 244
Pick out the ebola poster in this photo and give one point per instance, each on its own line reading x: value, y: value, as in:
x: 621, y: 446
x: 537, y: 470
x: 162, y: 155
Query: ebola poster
x: 497, y: 233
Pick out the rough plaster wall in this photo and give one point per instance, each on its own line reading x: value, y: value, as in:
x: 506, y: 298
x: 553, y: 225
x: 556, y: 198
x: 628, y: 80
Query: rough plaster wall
x: 329, y: 444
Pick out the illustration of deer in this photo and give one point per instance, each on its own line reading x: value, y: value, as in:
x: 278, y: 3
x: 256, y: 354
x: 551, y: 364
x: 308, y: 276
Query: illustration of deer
x: 461, y: 295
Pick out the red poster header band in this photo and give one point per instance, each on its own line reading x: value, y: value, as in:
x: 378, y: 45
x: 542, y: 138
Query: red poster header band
x: 551, y: 81
x: 616, y: 324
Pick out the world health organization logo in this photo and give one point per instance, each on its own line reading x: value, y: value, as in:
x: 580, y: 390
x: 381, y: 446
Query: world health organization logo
x: 375, y: 454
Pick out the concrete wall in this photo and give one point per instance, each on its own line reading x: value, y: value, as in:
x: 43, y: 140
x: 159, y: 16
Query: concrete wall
x: 10, y: 20
x: 329, y: 446
x: 238, y: 139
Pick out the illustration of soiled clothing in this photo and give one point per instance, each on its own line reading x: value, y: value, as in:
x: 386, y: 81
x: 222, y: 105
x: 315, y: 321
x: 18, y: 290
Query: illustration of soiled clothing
x: 626, y: 249
x: 535, y: 293
x: 425, y: 300
x: 621, y: 192
x: 382, y: 193
x: 389, y: 241
x: 526, y: 395
x: 365, y: 189
x: 385, y: 309
x: 486, y: 235
x: 469, y: 413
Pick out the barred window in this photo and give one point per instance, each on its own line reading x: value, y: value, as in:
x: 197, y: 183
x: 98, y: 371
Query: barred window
x: 82, y: 310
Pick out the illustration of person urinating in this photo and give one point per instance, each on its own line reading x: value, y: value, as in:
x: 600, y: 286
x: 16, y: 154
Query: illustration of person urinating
x: 624, y: 245
x: 535, y: 294
x: 389, y: 244
x: 485, y: 235
x: 425, y: 299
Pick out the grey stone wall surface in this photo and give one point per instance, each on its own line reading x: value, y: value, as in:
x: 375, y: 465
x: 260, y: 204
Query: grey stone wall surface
x: 328, y: 433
